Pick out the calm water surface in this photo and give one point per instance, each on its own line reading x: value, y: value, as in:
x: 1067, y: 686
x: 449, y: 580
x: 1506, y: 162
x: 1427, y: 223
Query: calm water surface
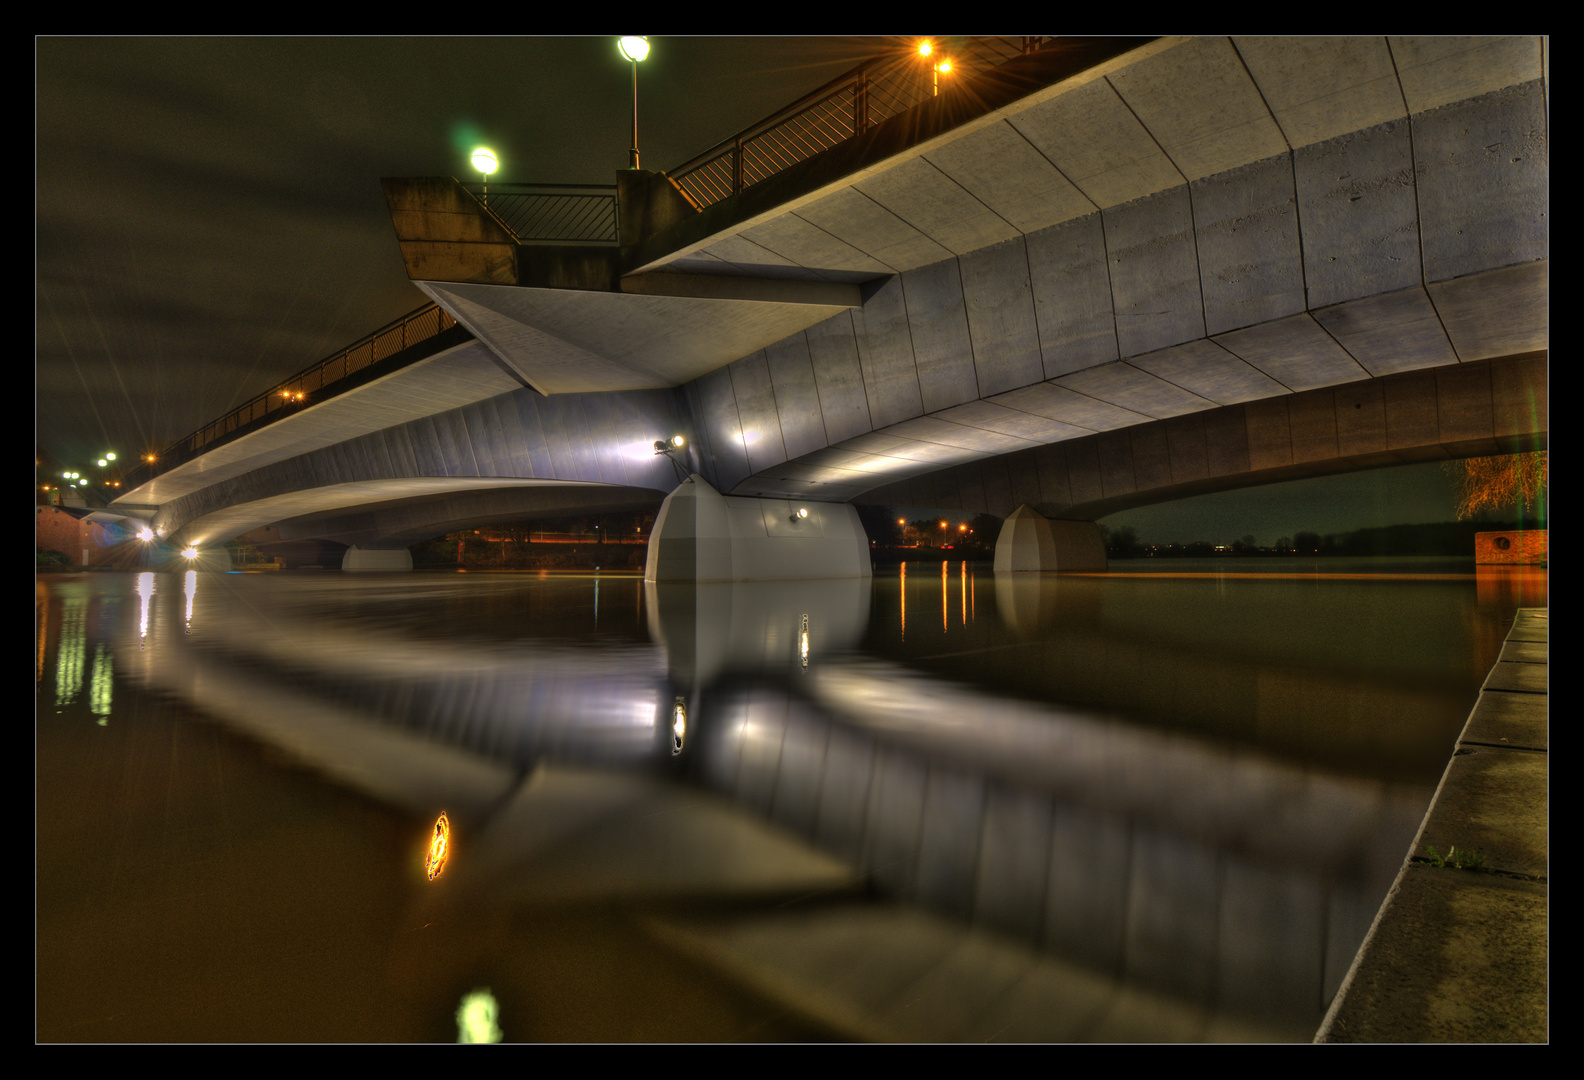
x: 1161, y: 804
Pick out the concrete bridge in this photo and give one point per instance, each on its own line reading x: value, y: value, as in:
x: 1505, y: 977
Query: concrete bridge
x: 1100, y: 275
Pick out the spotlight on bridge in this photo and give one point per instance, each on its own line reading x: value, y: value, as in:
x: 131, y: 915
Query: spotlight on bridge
x: 677, y: 441
x: 802, y: 512
x: 146, y: 534
x: 189, y: 553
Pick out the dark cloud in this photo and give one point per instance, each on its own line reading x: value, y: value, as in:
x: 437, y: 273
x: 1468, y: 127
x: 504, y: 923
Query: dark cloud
x: 209, y: 216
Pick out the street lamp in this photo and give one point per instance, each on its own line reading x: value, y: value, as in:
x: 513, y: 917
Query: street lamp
x: 484, y: 161
x: 634, y: 49
x: 926, y: 49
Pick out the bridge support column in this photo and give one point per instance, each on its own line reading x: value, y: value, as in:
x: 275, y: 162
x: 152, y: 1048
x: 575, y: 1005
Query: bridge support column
x: 702, y: 535
x: 357, y: 559
x: 1030, y: 541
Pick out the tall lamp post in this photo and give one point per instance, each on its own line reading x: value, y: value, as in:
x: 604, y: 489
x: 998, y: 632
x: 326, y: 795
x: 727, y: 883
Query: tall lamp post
x: 484, y: 161
x: 634, y: 49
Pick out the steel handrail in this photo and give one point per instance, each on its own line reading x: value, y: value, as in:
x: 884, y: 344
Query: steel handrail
x: 847, y: 94
x: 293, y: 394
x: 552, y: 213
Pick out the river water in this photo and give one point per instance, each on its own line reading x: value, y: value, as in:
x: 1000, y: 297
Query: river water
x: 1159, y: 804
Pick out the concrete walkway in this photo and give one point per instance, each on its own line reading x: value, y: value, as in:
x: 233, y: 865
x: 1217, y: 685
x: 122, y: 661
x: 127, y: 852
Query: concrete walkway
x: 1461, y: 954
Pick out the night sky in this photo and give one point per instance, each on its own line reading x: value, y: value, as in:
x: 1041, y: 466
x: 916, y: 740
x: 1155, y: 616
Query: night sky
x: 210, y: 220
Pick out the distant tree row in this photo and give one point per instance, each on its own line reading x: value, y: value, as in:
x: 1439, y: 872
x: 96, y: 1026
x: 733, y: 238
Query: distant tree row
x: 1438, y: 538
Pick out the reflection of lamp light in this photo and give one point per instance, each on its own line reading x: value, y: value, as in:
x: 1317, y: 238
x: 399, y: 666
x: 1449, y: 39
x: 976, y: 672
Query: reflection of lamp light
x: 678, y: 726
x: 439, y: 847
x: 803, y: 643
x: 476, y: 1018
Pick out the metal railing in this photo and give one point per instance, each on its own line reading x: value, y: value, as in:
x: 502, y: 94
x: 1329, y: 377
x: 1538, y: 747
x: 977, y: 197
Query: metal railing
x: 869, y: 94
x: 552, y: 213
x: 300, y: 390
x: 848, y: 106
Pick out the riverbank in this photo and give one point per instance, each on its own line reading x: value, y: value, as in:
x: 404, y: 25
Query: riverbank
x: 1459, y: 950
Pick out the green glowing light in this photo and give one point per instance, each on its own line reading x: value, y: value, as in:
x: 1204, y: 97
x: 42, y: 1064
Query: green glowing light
x: 475, y: 1018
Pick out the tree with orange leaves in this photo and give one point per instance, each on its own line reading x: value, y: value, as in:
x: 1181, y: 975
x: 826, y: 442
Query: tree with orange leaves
x: 1500, y: 483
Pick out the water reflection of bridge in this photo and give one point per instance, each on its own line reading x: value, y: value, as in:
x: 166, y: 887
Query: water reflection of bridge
x: 1152, y: 884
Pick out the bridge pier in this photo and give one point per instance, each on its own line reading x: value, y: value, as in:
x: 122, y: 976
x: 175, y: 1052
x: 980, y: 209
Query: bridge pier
x: 702, y: 535
x: 1029, y: 541
x: 360, y: 559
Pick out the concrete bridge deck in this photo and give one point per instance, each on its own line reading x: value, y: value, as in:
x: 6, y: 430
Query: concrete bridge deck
x: 1194, y: 264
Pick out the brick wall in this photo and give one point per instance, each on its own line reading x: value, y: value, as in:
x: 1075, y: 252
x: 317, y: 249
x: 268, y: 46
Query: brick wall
x: 1522, y: 546
x: 56, y: 530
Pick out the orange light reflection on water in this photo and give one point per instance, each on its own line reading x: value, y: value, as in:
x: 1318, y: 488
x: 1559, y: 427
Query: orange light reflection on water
x: 439, y: 847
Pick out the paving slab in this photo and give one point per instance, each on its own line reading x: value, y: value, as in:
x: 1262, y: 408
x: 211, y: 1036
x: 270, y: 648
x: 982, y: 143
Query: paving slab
x: 1505, y: 719
x: 1451, y: 961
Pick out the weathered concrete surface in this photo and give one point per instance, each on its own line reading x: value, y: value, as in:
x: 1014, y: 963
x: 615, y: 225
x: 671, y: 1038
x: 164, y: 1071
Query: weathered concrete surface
x: 1462, y: 955
x: 701, y: 536
x: 1477, y: 408
x: 376, y: 559
x: 1031, y: 542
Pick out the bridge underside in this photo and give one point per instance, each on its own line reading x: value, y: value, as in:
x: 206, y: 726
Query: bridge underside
x: 1205, y: 264
x: 1196, y: 225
